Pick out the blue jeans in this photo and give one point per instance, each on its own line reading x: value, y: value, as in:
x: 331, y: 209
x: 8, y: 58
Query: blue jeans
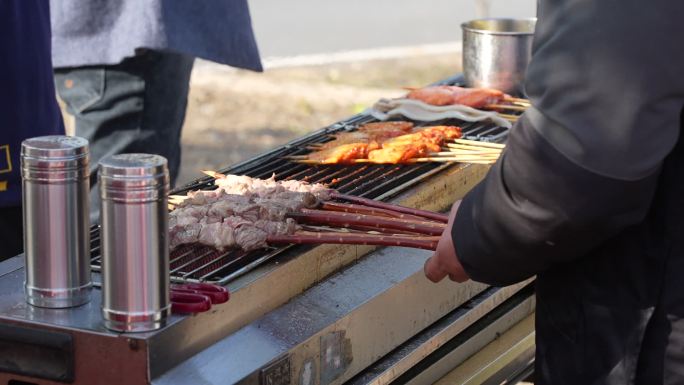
x: 135, y: 106
x: 11, y: 232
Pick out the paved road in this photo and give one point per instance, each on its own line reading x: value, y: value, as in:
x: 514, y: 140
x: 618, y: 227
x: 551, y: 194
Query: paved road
x: 303, y: 27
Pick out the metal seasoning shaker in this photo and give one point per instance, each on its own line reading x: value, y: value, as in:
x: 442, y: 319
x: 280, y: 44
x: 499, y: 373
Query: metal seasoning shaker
x: 135, y: 249
x: 55, y: 187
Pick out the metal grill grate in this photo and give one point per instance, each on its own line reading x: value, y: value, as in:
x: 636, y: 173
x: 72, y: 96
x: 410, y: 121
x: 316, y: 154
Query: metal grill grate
x: 196, y: 263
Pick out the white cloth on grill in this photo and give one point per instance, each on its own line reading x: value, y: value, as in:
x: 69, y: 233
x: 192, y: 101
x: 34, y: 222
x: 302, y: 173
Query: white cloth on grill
x: 384, y: 109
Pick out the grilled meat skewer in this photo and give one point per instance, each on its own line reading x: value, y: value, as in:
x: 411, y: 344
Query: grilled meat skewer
x: 448, y: 95
x: 392, y: 149
x: 267, y: 209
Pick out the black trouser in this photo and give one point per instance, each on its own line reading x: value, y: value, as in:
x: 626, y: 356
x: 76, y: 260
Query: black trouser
x: 135, y: 106
x: 11, y: 232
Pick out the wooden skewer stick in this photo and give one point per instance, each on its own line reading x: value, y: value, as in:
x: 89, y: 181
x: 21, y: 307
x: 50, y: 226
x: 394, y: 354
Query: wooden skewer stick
x: 296, y: 157
x: 453, y: 159
x: 505, y: 107
x: 467, y: 151
x: 470, y: 147
x: 450, y: 160
x: 508, y: 116
x: 455, y: 153
x: 213, y: 174
x: 176, y: 198
x: 477, y: 143
x: 467, y: 147
x: 516, y: 100
x: 450, y: 154
x: 319, y: 162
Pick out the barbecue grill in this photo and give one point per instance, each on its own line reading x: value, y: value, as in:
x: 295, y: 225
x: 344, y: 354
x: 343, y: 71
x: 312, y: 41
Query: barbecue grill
x: 298, y: 314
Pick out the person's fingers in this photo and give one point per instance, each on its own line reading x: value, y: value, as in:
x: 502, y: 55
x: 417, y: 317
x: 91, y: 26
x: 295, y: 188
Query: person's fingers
x: 444, y: 262
x: 458, y: 277
x: 452, y: 212
x: 433, y: 271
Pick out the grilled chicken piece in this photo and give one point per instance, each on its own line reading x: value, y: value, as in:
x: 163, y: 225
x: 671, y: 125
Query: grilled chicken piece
x: 345, y: 153
x: 380, y: 131
x: 432, y: 144
x: 431, y: 137
x: 448, y: 95
x: 394, y: 143
x: 371, y: 132
x: 398, y: 153
x: 449, y: 132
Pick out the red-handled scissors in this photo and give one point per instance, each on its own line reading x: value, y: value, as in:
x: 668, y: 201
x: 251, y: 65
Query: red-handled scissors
x: 196, y: 297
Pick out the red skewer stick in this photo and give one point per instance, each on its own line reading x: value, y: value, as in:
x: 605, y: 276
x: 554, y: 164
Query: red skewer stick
x: 387, y: 206
x: 361, y: 209
x: 427, y: 243
x: 332, y: 218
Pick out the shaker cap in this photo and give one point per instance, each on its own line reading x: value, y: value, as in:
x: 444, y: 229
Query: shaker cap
x: 133, y: 177
x: 55, y: 147
x: 133, y: 166
x: 54, y: 158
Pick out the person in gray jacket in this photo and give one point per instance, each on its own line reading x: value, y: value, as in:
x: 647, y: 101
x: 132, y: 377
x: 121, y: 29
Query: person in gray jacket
x: 123, y: 68
x: 589, y: 196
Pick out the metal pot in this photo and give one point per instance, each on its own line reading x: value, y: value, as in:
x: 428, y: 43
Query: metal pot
x: 496, y: 53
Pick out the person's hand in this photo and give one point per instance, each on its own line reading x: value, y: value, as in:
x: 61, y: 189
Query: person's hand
x: 444, y: 261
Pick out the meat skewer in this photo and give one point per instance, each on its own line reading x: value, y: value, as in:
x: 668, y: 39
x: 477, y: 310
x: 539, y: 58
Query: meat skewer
x: 347, y: 146
x: 386, y: 150
x: 266, y: 210
x: 246, y: 222
x: 446, y: 95
x: 427, y: 243
x: 471, y: 97
x: 509, y: 107
x: 325, y: 194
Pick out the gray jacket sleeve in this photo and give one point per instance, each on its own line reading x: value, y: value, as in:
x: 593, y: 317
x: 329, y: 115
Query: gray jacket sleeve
x: 583, y: 164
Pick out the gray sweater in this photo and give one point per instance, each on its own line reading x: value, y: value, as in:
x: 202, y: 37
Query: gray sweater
x: 95, y: 32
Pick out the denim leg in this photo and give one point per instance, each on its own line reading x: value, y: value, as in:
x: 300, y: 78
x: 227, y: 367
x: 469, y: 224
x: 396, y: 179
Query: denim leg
x: 11, y: 232
x: 135, y: 106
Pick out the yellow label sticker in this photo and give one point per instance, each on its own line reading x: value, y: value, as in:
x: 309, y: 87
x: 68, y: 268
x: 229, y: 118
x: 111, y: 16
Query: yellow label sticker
x: 5, y: 159
x: 3, y: 185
